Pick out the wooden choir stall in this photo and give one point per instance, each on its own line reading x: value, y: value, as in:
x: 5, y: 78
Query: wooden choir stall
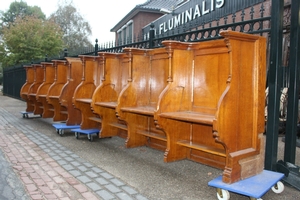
x: 53, y: 95
x: 212, y: 110
x: 148, y: 74
x: 41, y: 94
x: 92, y: 67
x: 104, y: 100
x: 202, y: 101
x: 38, y: 80
x: 25, y: 88
x: 74, y: 72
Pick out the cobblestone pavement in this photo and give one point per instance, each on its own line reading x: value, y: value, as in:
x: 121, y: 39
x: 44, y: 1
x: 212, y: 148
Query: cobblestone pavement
x: 10, y: 185
x: 36, y: 163
x: 50, y: 171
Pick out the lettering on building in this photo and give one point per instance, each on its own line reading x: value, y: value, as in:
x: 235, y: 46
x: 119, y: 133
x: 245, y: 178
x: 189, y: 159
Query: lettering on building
x: 203, y: 8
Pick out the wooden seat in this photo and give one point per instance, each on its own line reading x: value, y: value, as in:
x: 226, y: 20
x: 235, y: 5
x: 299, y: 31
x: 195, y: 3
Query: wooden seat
x: 67, y: 92
x: 41, y: 94
x: 38, y: 80
x: 25, y: 88
x: 104, y: 100
x: 137, y: 102
x: 212, y: 110
x: 61, y: 76
x: 92, y: 77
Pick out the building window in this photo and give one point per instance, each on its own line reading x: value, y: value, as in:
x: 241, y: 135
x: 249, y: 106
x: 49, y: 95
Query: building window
x: 130, y: 31
x: 119, y: 37
x: 125, y: 34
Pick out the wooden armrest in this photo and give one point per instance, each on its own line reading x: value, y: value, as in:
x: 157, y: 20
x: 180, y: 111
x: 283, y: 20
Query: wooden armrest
x: 84, y: 100
x: 201, y: 118
x: 53, y: 97
x: 144, y: 110
x: 107, y: 104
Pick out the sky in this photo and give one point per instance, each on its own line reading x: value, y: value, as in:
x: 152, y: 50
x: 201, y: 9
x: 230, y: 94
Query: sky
x: 102, y: 15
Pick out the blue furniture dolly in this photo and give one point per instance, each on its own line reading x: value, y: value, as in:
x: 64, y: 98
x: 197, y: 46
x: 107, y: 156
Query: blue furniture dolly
x: 254, y: 187
x: 26, y: 114
x: 60, y: 127
x: 88, y: 132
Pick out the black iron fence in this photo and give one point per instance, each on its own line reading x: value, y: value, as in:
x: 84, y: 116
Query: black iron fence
x: 251, y: 20
x: 13, y: 80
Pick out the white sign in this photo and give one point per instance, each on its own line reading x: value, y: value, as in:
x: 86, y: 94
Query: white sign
x: 191, y: 14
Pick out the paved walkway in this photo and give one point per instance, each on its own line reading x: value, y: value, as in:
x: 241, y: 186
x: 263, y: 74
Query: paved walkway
x: 10, y: 185
x: 36, y: 163
x: 50, y: 171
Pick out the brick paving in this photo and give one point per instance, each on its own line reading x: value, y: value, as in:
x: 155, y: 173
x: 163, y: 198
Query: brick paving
x: 50, y: 171
x: 10, y: 185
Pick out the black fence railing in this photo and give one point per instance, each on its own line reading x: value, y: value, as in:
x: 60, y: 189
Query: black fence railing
x: 13, y: 80
x: 14, y: 77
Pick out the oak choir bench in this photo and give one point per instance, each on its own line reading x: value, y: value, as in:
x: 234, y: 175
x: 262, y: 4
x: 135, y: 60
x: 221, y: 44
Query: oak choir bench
x: 41, y: 94
x: 212, y: 111
x: 92, y: 68
x: 38, y: 80
x: 74, y: 73
x: 105, y: 97
x: 25, y: 88
x: 202, y: 101
x: 61, y: 75
x: 137, y: 102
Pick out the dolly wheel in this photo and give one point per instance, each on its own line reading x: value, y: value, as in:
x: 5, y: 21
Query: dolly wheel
x: 61, y: 132
x: 223, y: 194
x: 77, y: 135
x: 90, y: 137
x: 278, y: 187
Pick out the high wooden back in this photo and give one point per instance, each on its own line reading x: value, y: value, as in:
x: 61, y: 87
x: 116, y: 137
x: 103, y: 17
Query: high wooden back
x: 61, y: 76
x: 210, y: 74
x: 29, y: 80
x: 115, y: 77
x: 38, y: 78
x: 91, y: 77
x: 158, y: 74
x: 49, y: 75
x: 74, y: 77
x: 25, y: 88
x: 148, y: 74
x: 41, y: 94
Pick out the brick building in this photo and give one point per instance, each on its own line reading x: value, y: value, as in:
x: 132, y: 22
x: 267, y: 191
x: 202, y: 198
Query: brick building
x: 128, y: 29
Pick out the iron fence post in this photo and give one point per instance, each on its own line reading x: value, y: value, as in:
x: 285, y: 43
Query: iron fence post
x: 293, y: 91
x: 65, y: 52
x: 96, y: 47
x: 274, y: 84
x: 151, y: 36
